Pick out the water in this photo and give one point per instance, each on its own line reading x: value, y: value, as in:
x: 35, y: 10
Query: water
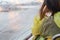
x: 16, y: 25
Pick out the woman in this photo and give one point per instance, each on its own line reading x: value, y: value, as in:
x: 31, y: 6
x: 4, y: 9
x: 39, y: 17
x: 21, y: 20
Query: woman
x: 45, y: 27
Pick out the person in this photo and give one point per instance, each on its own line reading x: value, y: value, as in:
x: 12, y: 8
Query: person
x: 45, y: 27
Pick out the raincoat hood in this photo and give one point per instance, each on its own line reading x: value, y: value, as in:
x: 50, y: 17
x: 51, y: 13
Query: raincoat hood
x: 57, y: 19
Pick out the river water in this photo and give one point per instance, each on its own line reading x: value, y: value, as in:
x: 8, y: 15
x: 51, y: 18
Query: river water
x: 16, y: 25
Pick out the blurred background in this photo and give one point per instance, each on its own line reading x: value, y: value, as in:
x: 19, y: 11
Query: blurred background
x: 16, y: 18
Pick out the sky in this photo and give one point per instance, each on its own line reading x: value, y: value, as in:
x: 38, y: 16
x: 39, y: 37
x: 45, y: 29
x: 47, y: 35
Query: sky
x: 20, y: 1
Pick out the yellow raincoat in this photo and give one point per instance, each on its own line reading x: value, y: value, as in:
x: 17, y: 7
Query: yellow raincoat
x: 38, y: 22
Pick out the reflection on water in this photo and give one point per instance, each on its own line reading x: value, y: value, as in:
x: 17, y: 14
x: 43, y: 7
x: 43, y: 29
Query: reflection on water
x: 14, y: 25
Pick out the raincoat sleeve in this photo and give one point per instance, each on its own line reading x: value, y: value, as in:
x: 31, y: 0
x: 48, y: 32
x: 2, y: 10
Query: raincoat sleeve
x: 36, y: 26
